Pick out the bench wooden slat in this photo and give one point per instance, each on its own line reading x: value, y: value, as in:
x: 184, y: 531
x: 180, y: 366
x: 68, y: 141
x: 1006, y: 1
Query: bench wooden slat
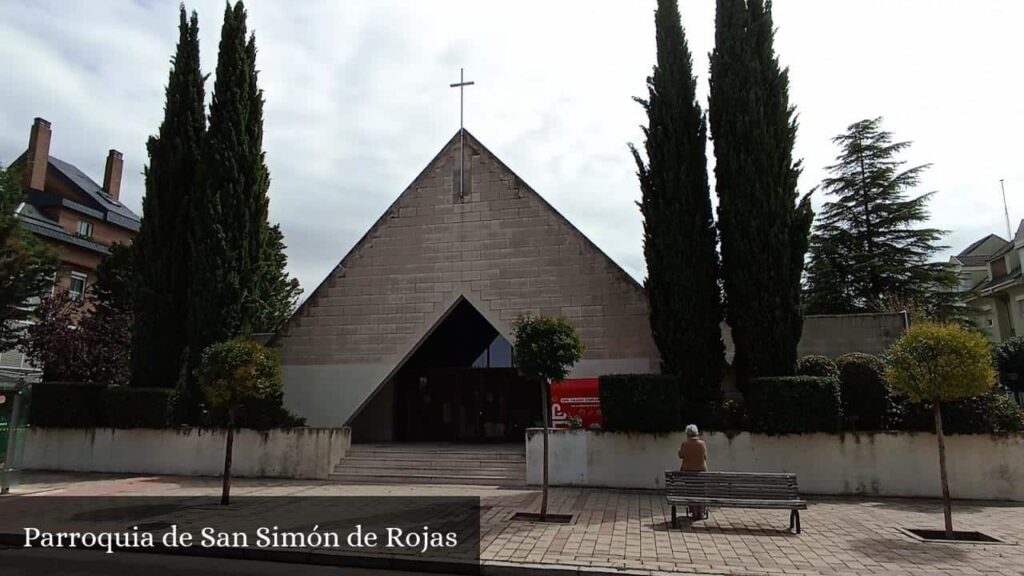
x: 735, y: 490
x: 744, y: 503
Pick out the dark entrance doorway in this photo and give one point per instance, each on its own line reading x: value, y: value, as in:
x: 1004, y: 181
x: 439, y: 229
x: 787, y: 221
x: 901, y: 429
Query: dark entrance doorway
x: 460, y: 386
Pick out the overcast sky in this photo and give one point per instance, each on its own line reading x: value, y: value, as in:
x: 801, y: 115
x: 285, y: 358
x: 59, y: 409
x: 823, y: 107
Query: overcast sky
x: 357, y: 98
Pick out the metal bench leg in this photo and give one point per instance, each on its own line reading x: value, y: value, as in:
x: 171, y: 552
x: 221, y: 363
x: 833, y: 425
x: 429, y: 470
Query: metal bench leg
x: 794, y: 520
x: 675, y: 519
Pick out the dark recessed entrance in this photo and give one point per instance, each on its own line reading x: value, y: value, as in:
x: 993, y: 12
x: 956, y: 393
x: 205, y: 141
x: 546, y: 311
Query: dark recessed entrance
x: 460, y: 386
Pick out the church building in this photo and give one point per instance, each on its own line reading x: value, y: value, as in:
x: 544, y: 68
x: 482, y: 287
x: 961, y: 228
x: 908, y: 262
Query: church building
x: 409, y: 337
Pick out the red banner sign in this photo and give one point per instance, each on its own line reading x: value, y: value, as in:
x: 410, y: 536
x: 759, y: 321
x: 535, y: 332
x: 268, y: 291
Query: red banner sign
x: 576, y: 403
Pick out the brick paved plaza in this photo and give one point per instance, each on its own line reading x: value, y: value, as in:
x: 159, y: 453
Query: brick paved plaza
x: 629, y: 530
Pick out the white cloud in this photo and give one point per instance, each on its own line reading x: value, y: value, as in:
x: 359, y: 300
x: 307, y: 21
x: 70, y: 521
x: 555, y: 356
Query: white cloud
x: 358, y: 99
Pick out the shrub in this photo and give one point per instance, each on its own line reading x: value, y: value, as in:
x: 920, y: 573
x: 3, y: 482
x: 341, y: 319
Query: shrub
x: 793, y: 404
x: 991, y: 413
x: 67, y: 405
x: 258, y: 414
x: 864, y: 392
x: 726, y: 415
x: 1009, y: 360
x: 640, y: 403
x: 817, y: 365
x: 138, y: 407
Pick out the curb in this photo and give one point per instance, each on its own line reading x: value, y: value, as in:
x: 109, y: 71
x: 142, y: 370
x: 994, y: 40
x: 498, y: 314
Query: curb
x: 378, y: 562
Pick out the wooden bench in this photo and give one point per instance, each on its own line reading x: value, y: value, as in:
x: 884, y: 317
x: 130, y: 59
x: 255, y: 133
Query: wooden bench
x: 734, y: 490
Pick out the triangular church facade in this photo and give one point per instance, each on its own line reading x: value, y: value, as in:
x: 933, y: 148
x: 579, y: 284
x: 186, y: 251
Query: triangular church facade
x: 408, y: 337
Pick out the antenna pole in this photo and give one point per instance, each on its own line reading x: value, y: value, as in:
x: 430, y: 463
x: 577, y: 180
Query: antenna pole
x: 1006, y: 211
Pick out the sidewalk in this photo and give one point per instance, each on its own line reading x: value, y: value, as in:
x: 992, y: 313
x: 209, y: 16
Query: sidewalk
x: 623, y: 530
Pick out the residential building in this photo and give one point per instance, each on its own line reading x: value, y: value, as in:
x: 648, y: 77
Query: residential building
x: 992, y: 283
x: 74, y: 215
x: 66, y: 208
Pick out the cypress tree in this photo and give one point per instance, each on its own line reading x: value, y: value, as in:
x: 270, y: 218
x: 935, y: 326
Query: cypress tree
x: 240, y: 285
x: 161, y: 250
x: 762, y: 222
x: 280, y: 291
x: 679, y: 233
x: 871, y: 232
x: 230, y: 211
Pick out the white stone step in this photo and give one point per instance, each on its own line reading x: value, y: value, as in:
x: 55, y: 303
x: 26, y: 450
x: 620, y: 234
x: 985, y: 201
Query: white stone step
x: 427, y: 478
x: 415, y: 464
x: 432, y: 464
x: 412, y: 460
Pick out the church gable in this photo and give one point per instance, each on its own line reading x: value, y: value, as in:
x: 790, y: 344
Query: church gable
x: 499, y: 245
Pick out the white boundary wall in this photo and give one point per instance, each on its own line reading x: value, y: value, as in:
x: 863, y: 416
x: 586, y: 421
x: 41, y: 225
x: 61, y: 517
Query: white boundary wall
x: 983, y: 467
x: 279, y: 453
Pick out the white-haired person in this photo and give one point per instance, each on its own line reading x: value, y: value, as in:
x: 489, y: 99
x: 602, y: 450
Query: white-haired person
x: 694, y: 458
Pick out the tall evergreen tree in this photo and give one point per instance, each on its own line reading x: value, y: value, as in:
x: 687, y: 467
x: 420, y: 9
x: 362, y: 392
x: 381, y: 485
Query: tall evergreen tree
x: 280, y: 292
x: 162, y: 256
x: 868, y: 246
x: 763, y: 223
x: 238, y: 260
x: 679, y: 233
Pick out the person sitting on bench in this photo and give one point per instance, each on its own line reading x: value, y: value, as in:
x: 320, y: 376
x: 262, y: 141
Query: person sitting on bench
x: 694, y: 456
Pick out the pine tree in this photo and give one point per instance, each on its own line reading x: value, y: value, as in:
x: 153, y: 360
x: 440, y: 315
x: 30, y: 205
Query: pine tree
x: 27, y: 266
x: 679, y: 234
x: 871, y: 231
x: 763, y: 223
x: 280, y: 292
x: 162, y: 256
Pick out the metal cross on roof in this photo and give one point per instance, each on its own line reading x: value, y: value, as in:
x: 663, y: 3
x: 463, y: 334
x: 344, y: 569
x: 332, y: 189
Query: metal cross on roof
x: 461, y: 85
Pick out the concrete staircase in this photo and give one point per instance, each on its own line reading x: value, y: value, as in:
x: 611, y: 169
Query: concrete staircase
x: 489, y: 465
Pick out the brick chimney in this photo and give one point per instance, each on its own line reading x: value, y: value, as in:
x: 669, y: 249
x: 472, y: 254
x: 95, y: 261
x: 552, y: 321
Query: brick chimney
x: 112, y: 175
x: 38, y: 157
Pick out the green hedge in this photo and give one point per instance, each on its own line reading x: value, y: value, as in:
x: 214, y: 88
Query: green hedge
x: 793, y: 405
x: 138, y: 407
x: 76, y: 405
x: 993, y: 412
x: 866, y: 398
x: 258, y: 414
x: 640, y: 403
x: 816, y: 365
x: 67, y: 405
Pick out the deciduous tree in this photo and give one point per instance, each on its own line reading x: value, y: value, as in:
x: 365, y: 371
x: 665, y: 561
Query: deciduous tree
x: 230, y: 373
x: 27, y: 266
x: 936, y: 363
x: 545, y: 349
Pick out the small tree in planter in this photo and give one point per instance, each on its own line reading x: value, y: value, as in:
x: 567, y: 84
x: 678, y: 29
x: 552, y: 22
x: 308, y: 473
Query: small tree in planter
x: 545, y: 349
x: 231, y: 372
x: 936, y: 363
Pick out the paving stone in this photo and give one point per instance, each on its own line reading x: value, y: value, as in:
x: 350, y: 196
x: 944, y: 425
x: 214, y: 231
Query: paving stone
x: 629, y: 530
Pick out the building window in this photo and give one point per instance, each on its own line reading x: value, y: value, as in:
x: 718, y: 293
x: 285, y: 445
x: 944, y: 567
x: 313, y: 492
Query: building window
x: 85, y: 228
x: 497, y: 355
x: 77, y: 287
